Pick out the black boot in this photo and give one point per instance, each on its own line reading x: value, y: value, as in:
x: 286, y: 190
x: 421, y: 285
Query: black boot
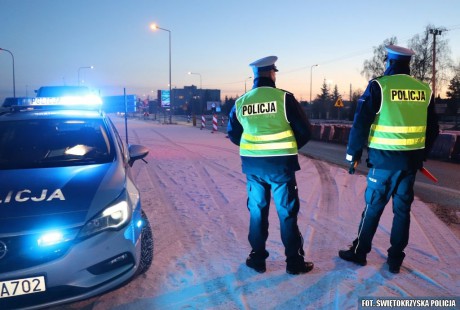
x: 256, y: 261
x: 351, y: 256
x: 298, y: 265
x: 299, y: 268
x: 395, y: 261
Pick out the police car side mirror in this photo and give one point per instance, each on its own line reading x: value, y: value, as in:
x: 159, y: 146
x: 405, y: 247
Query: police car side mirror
x: 137, y: 152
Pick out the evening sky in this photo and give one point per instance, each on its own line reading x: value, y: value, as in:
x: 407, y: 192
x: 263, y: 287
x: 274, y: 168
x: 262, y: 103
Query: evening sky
x: 53, y: 40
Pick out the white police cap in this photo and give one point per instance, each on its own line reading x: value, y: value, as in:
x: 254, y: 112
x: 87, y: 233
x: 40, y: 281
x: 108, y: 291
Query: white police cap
x: 264, y: 64
x: 399, y: 53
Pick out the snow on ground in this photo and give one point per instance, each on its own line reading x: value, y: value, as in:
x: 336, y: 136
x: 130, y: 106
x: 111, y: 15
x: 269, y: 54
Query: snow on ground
x: 194, y: 194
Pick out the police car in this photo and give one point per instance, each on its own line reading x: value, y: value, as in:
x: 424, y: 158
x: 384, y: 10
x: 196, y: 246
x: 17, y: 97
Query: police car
x: 71, y: 222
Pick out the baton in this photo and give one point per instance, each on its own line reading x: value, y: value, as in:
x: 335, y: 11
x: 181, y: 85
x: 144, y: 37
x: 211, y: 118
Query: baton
x: 428, y: 174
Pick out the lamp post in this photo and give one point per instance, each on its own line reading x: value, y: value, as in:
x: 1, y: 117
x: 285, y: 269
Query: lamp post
x: 245, y: 83
x: 14, y: 79
x: 193, y: 106
x: 87, y: 67
x: 311, y: 79
x: 155, y: 27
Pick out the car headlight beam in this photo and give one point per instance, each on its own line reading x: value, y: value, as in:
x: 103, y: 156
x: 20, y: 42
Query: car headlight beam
x: 112, y: 217
x: 50, y: 238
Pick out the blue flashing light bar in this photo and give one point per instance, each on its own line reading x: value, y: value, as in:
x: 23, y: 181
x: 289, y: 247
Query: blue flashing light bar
x: 71, y: 101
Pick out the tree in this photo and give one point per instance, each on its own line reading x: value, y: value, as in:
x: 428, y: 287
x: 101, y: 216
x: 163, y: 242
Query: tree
x: 376, y: 66
x: 453, y: 94
x: 322, y: 101
x: 227, y: 105
x: 334, y: 111
x: 422, y: 61
x: 354, y: 103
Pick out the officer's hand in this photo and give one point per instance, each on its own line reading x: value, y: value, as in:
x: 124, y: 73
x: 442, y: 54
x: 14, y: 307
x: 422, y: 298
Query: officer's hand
x: 353, y: 165
x: 353, y: 161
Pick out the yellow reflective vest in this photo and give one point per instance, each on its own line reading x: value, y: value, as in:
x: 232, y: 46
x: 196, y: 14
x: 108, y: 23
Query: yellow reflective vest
x: 266, y: 131
x: 401, y: 122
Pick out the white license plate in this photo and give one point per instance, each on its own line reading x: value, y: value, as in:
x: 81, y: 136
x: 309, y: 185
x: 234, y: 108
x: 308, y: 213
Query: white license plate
x: 25, y: 286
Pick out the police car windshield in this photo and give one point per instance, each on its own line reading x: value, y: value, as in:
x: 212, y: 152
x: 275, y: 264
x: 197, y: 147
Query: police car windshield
x: 53, y: 143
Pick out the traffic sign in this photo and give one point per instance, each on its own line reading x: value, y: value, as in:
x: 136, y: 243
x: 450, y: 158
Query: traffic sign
x: 339, y: 103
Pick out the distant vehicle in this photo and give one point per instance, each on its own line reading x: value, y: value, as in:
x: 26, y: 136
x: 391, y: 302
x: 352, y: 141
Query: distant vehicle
x: 71, y: 221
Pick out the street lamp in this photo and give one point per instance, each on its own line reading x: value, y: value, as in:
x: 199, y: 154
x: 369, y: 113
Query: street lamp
x: 88, y: 67
x: 245, y: 83
x: 14, y: 79
x: 190, y: 73
x: 311, y: 78
x: 155, y: 27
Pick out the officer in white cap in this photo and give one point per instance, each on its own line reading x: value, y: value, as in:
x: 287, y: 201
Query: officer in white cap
x: 395, y: 118
x: 264, y: 64
x: 269, y: 126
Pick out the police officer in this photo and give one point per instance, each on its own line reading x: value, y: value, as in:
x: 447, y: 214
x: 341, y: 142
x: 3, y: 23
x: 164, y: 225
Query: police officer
x: 270, y: 126
x: 396, y: 118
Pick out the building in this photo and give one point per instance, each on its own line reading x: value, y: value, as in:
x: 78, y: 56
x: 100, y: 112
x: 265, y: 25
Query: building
x: 191, y: 100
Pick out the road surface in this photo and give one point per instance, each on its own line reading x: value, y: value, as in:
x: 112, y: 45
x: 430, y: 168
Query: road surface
x: 194, y: 194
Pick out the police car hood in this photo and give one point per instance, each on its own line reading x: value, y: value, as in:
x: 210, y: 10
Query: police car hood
x: 36, y: 199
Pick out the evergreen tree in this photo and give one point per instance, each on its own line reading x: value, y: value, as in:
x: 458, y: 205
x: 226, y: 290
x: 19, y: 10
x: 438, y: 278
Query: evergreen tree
x: 333, y: 110
x: 321, y: 104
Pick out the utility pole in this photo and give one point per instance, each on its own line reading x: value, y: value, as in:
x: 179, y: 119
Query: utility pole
x: 434, y: 32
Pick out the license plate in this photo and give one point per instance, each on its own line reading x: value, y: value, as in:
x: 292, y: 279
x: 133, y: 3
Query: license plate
x: 24, y: 286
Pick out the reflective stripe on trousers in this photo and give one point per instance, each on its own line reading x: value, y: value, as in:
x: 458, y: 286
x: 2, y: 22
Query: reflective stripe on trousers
x: 382, y: 185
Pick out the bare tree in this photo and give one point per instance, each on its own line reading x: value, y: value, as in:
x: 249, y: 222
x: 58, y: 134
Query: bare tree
x: 422, y: 63
x: 376, y: 67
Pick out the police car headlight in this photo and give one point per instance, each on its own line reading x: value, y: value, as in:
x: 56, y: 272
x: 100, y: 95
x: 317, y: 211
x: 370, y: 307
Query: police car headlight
x: 112, y: 217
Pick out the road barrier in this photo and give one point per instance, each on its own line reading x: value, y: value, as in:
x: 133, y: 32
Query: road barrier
x: 455, y: 156
x: 327, y: 133
x: 203, y: 122
x: 316, y: 131
x: 446, y: 146
x: 443, y: 146
x: 214, y: 123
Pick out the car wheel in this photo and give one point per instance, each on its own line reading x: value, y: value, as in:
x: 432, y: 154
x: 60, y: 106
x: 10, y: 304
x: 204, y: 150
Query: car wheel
x: 146, y: 246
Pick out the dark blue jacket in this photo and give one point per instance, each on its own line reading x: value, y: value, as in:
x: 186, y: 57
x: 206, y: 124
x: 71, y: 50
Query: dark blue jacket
x: 367, y: 108
x: 273, y: 164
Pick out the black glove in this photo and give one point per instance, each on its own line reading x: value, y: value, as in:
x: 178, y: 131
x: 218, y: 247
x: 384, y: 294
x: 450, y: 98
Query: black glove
x: 354, y: 161
x: 353, y: 165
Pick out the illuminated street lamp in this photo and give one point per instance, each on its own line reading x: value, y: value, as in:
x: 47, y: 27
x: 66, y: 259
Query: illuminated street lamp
x: 88, y: 67
x: 311, y: 78
x: 14, y: 79
x: 245, y: 83
x: 155, y: 27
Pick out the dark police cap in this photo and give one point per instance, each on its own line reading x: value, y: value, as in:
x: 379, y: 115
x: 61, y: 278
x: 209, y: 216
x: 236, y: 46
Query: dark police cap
x: 399, y: 53
x: 264, y: 64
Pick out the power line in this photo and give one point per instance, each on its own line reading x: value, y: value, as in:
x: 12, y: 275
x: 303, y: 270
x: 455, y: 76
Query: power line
x: 354, y: 54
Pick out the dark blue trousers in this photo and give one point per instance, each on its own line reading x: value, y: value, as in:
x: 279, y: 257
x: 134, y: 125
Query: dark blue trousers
x: 381, y: 186
x: 285, y: 196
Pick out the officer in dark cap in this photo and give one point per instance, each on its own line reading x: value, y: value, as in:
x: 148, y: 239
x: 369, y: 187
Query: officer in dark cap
x: 270, y: 126
x: 396, y: 119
